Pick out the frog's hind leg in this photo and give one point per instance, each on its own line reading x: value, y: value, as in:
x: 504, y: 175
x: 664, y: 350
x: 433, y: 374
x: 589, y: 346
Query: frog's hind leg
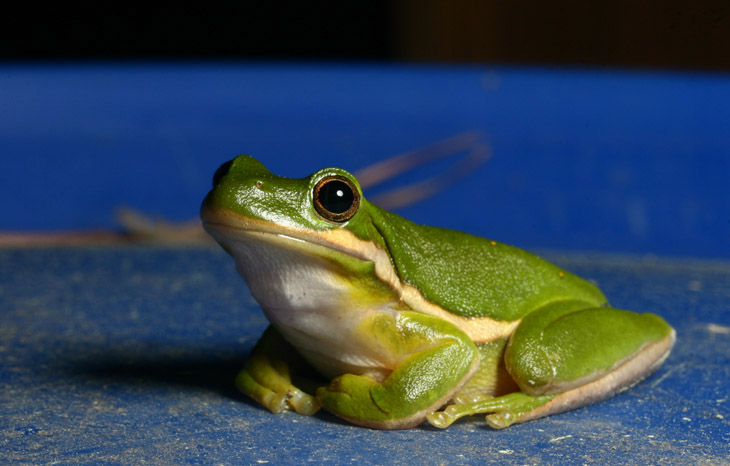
x: 627, y: 374
x: 564, y: 356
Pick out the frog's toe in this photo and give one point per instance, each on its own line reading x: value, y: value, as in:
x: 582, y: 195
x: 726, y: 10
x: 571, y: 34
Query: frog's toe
x: 440, y: 419
x: 276, y: 403
x: 501, y: 419
x: 303, y: 403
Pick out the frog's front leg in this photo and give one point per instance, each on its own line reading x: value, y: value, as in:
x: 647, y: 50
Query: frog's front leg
x: 566, y: 355
x: 433, y: 359
x: 266, y: 377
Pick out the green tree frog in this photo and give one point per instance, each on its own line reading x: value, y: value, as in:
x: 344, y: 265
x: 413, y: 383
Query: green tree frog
x: 406, y: 323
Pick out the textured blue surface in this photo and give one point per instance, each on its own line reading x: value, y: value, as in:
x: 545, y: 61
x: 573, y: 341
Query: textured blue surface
x: 127, y: 356
x: 583, y: 160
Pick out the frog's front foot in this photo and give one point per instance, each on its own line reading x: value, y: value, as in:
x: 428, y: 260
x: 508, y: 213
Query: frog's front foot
x: 270, y: 385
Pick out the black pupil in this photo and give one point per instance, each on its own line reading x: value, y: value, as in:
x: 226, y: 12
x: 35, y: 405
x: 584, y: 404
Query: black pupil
x: 336, y: 196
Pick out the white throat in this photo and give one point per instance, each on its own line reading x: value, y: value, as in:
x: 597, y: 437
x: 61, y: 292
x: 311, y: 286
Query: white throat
x: 309, y: 300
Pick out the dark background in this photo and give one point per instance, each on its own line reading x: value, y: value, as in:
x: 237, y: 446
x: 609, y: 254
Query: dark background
x: 621, y: 33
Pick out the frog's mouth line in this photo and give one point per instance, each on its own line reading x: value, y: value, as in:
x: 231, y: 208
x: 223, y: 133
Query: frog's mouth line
x: 225, y: 225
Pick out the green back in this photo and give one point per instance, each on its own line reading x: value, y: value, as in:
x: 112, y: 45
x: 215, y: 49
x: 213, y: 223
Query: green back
x: 472, y: 276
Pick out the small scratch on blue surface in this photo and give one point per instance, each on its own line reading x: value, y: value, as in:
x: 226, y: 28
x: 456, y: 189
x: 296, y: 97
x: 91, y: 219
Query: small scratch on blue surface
x: 667, y: 374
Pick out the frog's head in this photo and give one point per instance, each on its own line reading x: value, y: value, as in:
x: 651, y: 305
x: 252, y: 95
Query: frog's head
x: 326, y: 210
x: 246, y: 195
x: 306, y: 247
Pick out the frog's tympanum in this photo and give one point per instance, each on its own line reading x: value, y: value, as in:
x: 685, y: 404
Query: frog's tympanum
x: 403, y: 323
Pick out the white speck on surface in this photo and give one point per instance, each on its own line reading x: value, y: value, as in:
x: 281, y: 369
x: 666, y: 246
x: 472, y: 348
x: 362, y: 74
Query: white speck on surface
x: 506, y: 451
x: 557, y: 439
x: 719, y: 416
x: 686, y: 419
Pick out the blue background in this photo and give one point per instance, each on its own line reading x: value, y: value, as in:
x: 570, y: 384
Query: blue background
x: 582, y: 160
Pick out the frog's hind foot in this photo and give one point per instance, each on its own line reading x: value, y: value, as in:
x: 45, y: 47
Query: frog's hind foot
x: 502, y: 411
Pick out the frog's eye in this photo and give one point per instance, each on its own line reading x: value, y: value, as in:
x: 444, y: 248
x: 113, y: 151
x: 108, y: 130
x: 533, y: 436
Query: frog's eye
x: 221, y: 172
x: 336, y: 198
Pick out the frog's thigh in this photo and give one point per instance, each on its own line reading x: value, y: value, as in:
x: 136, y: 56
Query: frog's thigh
x: 584, y: 355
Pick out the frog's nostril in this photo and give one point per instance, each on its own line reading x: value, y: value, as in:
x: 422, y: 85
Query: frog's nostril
x: 221, y: 172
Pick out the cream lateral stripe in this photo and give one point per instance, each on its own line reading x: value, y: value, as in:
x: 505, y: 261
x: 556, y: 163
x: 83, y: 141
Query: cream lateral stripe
x: 479, y: 329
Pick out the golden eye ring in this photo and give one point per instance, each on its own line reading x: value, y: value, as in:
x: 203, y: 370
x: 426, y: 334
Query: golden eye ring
x: 336, y: 198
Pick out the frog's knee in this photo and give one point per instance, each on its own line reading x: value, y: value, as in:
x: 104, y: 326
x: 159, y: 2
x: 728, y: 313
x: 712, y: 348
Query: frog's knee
x: 531, y: 367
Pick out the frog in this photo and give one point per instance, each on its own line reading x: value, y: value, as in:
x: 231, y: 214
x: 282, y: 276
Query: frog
x: 388, y: 324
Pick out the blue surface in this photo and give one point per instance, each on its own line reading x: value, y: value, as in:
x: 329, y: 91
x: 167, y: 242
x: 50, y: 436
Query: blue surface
x: 583, y: 160
x: 127, y: 356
